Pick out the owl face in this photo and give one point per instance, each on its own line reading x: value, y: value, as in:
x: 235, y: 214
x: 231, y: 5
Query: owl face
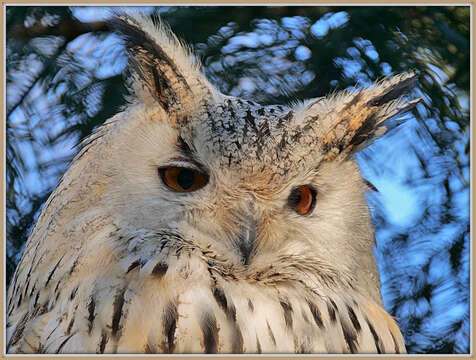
x: 251, y: 183
x: 254, y: 184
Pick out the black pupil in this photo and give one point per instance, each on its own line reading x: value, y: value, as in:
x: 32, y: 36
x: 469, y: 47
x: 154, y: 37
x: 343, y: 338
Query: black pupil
x: 186, y: 178
x: 294, y: 198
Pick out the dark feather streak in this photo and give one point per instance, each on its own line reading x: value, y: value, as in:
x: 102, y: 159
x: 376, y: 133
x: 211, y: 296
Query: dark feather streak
x: 64, y: 343
x: 73, y: 293
x: 18, y: 332
x: 35, y: 253
x: 332, y: 310
x: 26, y: 288
x: 57, y: 286
x: 33, y: 289
x: 230, y: 311
x: 36, y: 299
x: 353, y: 318
x: 270, y: 332
x: 102, y: 343
x: 53, y: 271
x: 117, y: 312
x: 397, y: 350
x: 250, y: 305
x: 170, y: 324
x: 133, y: 266
x: 220, y: 298
x: 287, y: 311
x: 160, y: 269
x: 73, y: 267
x: 350, y: 337
x: 370, y: 185
x: 92, y: 315
x: 316, y: 314
x: 40, y: 310
x: 376, y: 337
x: 210, y: 333
x: 70, y: 325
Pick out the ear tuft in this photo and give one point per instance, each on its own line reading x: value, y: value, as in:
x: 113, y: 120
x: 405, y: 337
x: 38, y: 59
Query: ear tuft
x: 351, y: 121
x: 163, y: 70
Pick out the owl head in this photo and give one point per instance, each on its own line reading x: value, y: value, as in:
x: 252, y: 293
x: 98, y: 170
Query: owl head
x: 271, y: 194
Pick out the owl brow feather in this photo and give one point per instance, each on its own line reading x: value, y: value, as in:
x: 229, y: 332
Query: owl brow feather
x: 187, y: 159
x: 188, y: 154
x: 184, y: 147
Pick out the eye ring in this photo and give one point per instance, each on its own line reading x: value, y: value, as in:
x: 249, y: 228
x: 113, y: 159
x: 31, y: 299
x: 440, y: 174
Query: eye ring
x: 182, y: 179
x: 303, y: 199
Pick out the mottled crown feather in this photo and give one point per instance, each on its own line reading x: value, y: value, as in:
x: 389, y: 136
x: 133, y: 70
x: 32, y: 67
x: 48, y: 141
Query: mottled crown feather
x: 166, y: 73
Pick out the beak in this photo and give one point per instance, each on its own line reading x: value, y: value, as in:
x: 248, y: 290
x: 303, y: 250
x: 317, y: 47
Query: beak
x: 246, y: 239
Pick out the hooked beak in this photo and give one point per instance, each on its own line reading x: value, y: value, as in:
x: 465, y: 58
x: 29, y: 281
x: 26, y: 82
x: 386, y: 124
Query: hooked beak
x: 246, y: 239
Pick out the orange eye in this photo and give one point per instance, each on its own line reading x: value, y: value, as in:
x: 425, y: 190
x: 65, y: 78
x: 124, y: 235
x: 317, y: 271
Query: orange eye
x: 302, y: 199
x: 183, y: 179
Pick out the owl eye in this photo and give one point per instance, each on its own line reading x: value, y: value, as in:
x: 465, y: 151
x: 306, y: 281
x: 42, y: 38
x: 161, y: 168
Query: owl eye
x: 302, y: 199
x: 183, y: 179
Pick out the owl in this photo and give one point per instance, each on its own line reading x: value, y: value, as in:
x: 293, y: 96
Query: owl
x: 196, y: 222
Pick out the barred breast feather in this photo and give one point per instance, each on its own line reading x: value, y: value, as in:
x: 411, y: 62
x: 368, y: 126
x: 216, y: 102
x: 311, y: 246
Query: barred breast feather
x: 188, y: 304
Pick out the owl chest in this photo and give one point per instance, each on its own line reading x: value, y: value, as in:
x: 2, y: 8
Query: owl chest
x: 161, y: 308
x: 220, y: 316
x: 201, y: 313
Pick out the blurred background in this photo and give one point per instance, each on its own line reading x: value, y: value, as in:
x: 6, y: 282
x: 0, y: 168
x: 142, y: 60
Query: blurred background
x: 64, y: 78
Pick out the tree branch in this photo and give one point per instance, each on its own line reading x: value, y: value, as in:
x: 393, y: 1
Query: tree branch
x: 70, y: 30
